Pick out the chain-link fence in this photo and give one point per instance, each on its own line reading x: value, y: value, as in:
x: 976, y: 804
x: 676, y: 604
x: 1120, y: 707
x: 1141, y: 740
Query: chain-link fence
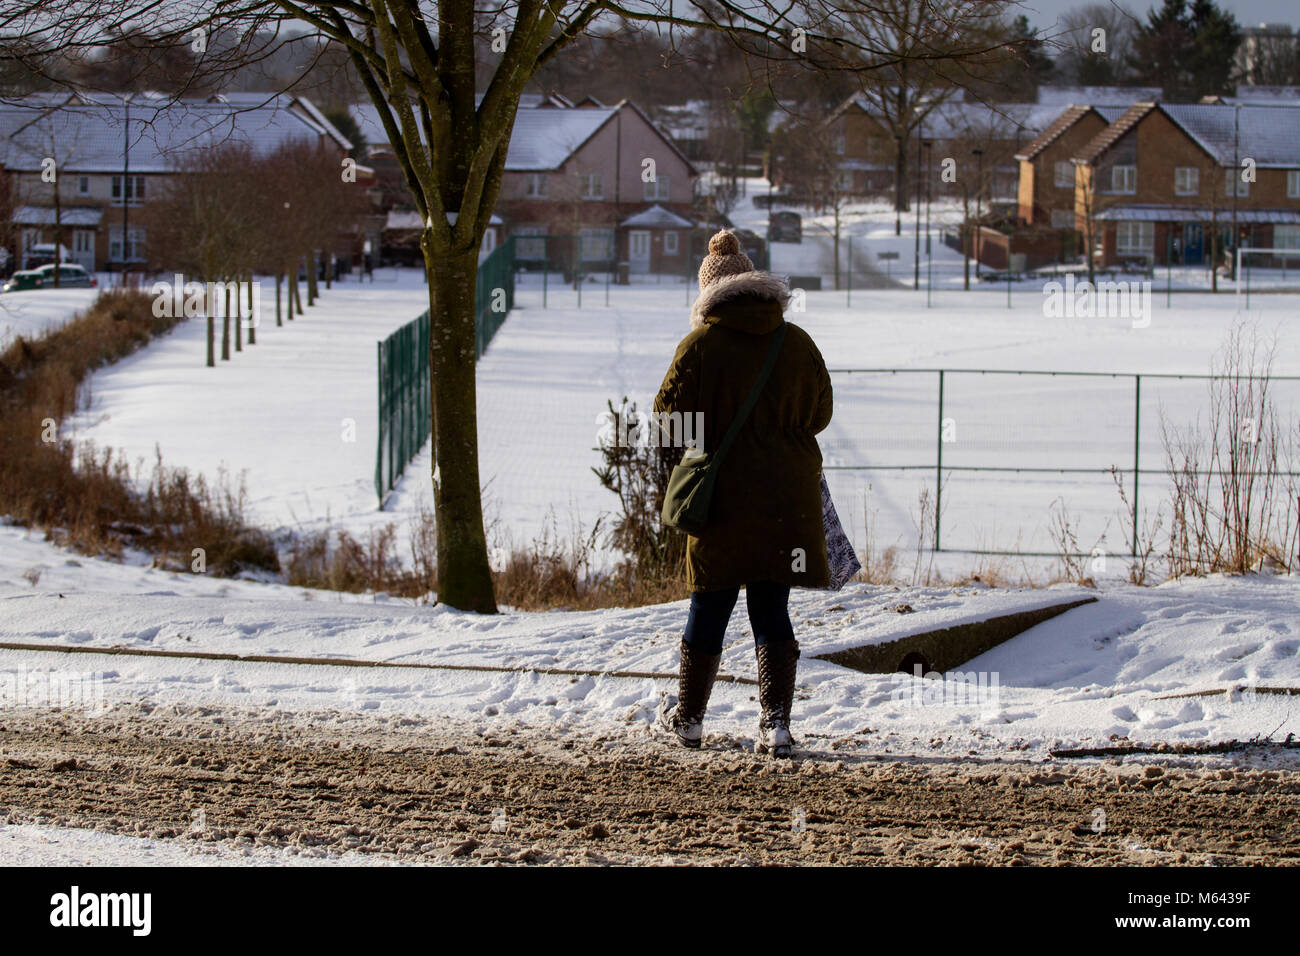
x: 404, y: 385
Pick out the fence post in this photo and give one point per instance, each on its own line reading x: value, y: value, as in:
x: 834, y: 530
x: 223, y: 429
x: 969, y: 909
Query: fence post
x: 1137, y: 441
x: 848, y: 295
x: 379, y: 451
x: 938, y: 471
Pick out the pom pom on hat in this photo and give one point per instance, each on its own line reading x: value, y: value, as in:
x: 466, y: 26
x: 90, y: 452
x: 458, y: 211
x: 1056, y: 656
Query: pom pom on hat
x: 725, y: 258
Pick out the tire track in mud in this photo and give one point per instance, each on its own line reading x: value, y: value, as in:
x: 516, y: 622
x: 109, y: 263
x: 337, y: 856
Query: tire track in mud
x: 442, y: 792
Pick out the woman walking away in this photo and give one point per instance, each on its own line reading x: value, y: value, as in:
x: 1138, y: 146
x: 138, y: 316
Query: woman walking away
x: 764, y: 528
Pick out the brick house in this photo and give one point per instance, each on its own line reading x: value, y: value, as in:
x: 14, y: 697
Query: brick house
x: 1046, y: 188
x: 1157, y: 183
x: 582, y: 172
x: 956, y: 129
x: 112, y: 157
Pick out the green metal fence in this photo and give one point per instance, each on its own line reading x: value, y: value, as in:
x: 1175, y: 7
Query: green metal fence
x: 404, y: 385
x: 1030, y: 430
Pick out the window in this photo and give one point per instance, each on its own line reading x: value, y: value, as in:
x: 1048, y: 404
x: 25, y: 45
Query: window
x: 1286, y: 237
x: 83, y: 240
x: 591, y: 186
x: 1293, y: 184
x: 1062, y: 218
x: 1232, y: 176
x: 657, y: 189
x: 1064, y: 176
x: 1123, y: 179
x: 535, y: 186
x: 841, y: 144
x: 134, y: 190
x: 597, y: 244
x: 1135, y: 238
x: 83, y: 185
x: 670, y: 243
x: 1187, y: 181
x: 135, y: 244
x: 530, y: 242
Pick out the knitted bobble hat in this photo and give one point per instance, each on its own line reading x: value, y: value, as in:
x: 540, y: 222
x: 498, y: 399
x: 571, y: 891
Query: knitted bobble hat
x: 724, y: 259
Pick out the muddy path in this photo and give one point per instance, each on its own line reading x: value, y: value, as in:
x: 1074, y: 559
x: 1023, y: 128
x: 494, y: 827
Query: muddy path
x: 448, y: 794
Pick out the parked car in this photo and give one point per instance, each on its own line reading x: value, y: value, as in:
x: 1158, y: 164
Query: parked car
x: 785, y: 227
x: 71, y: 276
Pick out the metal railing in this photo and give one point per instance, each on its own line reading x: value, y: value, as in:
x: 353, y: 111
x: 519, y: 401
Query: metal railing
x: 995, y: 428
x: 404, y: 384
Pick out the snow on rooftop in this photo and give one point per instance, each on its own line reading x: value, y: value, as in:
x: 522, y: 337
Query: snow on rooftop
x: 657, y: 217
x: 1270, y: 135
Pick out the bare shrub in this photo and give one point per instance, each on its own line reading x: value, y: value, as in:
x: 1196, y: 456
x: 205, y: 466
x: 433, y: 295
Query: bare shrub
x: 1232, y: 505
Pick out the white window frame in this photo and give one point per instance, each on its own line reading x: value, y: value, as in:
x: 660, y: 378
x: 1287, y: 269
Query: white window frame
x: 135, y: 190
x: 841, y: 143
x: 657, y: 188
x: 596, y: 244
x: 535, y: 186
x: 670, y: 242
x: 1243, y: 187
x: 83, y: 240
x: 1063, y: 175
x: 1293, y: 184
x: 528, y: 239
x: 591, y: 186
x: 1127, y: 244
x: 135, y: 240
x: 1286, y: 237
x: 1192, y: 184
x: 1123, y: 180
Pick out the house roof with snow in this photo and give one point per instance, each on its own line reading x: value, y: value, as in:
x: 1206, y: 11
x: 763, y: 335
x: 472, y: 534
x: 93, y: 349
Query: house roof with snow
x: 91, y: 135
x: 1063, y: 123
x: 657, y: 217
x: 545, y: 139
x: 87, y: 216
x: 1270, y: 135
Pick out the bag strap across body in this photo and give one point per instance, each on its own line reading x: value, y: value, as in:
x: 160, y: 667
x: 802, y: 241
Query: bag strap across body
x: 769, y: 363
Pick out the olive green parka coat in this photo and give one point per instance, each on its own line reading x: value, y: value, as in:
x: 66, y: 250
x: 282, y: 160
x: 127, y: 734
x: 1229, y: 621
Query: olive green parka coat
x: 765, y: 521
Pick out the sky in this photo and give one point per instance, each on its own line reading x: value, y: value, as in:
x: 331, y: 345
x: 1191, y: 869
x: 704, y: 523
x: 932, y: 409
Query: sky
x: 1043, y: 13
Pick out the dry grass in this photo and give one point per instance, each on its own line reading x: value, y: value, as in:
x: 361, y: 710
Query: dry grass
x: 84, y: 497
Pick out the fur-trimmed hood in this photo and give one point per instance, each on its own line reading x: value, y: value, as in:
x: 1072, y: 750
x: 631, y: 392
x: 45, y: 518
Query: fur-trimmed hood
x: 762, y: 285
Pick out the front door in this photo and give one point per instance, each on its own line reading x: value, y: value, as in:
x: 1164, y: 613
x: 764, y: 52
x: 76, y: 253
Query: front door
x: 1193, y: 244
x: 638, y: 250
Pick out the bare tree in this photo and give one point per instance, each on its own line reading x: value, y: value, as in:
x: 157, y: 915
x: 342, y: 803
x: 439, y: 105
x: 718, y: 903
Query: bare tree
x: 423, y: 65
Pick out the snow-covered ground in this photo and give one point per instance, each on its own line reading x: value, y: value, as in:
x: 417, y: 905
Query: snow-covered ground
x: 281, y: 412
x: 35, y: 311
x: 1112, y: 667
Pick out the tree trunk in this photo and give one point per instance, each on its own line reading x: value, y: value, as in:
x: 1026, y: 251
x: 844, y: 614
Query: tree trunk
x: 313, y: 288
x: 239, y: 318
x: 252, y: 313
x: 900, y: 178
x: 225, y: 329
x: 278, y: 320
x: 464, y: 577
x: 212, y: 340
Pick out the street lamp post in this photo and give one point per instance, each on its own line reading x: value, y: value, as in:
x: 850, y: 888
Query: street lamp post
x: 979, y: 186
x: 929, y: 258
x: 916, y: 254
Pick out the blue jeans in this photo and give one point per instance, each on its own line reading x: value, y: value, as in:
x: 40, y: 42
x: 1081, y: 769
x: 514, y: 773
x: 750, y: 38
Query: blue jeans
x: 769, y: 615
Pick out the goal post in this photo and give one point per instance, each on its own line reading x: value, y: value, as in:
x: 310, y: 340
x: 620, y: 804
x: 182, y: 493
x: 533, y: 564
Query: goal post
x: 1289, y: 257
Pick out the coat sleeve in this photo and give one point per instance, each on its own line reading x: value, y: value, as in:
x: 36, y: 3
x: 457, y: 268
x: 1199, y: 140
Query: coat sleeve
x: 680, y: 391
x: 822, y: 409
